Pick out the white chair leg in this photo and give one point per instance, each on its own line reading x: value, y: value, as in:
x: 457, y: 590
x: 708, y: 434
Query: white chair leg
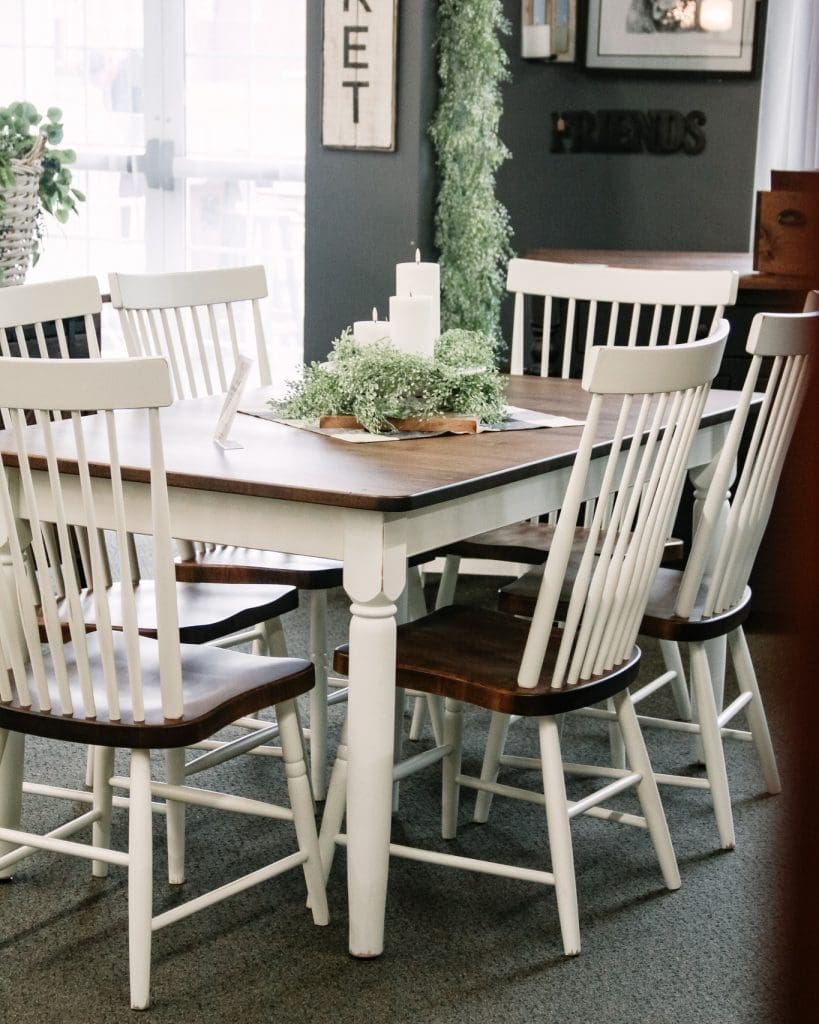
x: 416, y: 602
x: 412, y: 605
x: 755, y: 711
x: 89, y: 768
x: 495, y: 742
x: 274, y: 639
x: 647, y: 792
x: 617, y: 746
x: 560, y: 837
x: 672, y: 659
x: 318, y: 695
x: 140, y: 880
x: 436, y: 717
x: 450, y: 789
x: 398, y: 741
x: 103, y: 761
x: 427, y: 704
x: 301, y: 802
x: 419, y: 715
x: 175, y: 816
x: 334, y: 805
x: 12, y: 752
x: 448, y: 581
x: 712, y: 744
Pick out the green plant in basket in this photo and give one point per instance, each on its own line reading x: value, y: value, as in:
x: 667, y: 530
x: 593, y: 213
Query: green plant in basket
x: 28, y: 140
x: 377, y: 383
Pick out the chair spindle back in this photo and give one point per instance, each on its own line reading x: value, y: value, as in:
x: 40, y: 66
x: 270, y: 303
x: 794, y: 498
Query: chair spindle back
x: 34, y: 495
x: 657, y: 397
x: 196, y: 320
x: 783, y: 346
x: 586, y: 305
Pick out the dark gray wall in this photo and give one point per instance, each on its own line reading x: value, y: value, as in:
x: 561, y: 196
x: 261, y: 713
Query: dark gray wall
x: 365, y: 211
x: 618, y: 200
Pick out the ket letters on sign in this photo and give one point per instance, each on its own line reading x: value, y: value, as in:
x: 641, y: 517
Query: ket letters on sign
x: 358, y: 86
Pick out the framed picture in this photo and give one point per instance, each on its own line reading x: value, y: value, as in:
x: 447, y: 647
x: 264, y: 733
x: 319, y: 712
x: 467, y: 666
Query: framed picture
x: 671, y: 35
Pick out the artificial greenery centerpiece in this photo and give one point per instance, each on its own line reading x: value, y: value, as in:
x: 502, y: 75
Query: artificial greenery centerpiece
x: 472, y: 228
x: 29, y: 142
x: 377, y: 383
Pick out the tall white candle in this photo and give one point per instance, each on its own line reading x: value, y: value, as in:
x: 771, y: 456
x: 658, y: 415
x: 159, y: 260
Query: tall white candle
x: 365, y: 332
x: 419, y: 278
x: 411, y: 324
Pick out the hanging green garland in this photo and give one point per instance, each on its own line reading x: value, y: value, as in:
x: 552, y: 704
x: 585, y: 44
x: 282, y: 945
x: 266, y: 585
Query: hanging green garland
x: 472, y: 228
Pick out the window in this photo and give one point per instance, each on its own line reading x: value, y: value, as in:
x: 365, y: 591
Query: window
x: 188, y: 121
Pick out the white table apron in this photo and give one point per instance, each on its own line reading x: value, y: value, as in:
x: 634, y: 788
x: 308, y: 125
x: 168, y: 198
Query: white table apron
x: 374, y: 547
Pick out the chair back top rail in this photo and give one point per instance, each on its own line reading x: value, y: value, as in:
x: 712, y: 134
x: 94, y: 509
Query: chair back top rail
x: 642, y: 478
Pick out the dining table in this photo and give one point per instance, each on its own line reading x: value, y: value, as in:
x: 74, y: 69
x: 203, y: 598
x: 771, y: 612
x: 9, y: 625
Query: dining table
x: 373, y: 506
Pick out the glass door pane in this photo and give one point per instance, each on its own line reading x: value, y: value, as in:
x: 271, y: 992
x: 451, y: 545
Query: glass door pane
x: 188, y: 121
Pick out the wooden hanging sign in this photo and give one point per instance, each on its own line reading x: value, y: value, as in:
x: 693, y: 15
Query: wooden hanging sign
x: 359, y: 67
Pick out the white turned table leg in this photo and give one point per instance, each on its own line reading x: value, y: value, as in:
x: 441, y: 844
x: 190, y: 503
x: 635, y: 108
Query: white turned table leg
x: 374, y: 577
x: 369, y: 775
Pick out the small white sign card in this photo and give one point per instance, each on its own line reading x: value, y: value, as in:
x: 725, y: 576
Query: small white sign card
x: 231, y: 404
x: 358, y: 82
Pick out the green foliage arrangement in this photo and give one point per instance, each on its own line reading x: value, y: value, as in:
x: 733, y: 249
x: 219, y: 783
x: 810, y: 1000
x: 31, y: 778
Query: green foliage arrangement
x: 376, y: 383
x: 472, y: 229
x: 21, y: 128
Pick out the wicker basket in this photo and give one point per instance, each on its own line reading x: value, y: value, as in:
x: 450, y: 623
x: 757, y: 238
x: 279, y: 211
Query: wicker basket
x: 19, y: 223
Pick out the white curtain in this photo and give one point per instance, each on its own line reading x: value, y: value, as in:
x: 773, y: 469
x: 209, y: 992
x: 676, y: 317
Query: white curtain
x: 788, y: 139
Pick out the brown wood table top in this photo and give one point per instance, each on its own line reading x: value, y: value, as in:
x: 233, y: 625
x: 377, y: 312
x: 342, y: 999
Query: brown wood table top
x: 283, y: 462
x: 647, y: 259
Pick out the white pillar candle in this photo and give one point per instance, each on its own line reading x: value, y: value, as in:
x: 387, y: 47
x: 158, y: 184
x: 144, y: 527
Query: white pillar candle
x: 365, y: 332
x: 421, y: 279
x: 411, y: 324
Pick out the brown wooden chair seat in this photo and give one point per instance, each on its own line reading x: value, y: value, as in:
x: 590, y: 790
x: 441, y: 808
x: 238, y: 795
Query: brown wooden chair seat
x: 529, y: 543
x: 228, y: 564
x: 218, y: 687
x: 660, y: 619
x: 206, y: 612
x: 473, y: 655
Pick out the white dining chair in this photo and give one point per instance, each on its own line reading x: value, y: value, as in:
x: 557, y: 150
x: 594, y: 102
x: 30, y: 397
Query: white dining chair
x: 501, y: 663
x: 575, y: 306
x: 202, y: 321
x: 709, y: 600
x: 58, y: 320
x: 110, y: 687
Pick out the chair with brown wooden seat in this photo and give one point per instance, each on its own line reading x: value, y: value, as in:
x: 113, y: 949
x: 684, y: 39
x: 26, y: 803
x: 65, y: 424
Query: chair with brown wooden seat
x: 112, y: 687
x: 582, y: 306
x: 579, y: 306
x: 710, y: 599
x: 653, y: 399
x: 201, y: 321
x: 38, y: 320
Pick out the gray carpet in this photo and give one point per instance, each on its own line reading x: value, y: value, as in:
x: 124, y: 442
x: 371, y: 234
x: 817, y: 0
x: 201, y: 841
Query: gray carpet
x: 460, y: 947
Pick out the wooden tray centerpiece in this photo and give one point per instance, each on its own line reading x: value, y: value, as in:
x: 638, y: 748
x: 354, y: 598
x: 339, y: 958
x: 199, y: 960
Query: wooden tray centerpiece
x: 380, y: 389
